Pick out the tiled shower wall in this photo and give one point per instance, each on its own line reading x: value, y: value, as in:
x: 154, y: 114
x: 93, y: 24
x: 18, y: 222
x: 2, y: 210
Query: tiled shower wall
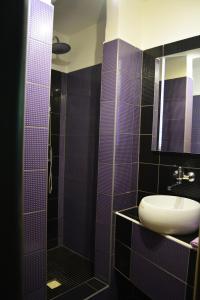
x: 55, y: 103
x: 118, y: 143
x: 38, y: 67
x: 156, y: 168
x: 81, y: 155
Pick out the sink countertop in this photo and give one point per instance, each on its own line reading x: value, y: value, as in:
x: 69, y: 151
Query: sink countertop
x: 132, y: 213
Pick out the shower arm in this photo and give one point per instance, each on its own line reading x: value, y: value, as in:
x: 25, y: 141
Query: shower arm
x: 56, y: 38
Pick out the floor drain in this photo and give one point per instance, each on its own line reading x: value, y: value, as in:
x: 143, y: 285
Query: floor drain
x: 53, y: 284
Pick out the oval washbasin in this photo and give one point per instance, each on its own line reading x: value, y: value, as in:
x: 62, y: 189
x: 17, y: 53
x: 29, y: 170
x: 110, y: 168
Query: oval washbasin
x: 169, y: 214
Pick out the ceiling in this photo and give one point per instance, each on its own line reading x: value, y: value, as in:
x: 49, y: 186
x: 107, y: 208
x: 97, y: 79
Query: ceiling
x: 72, y: 16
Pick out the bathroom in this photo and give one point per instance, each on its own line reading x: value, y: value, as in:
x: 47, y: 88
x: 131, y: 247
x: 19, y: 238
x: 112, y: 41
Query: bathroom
x: 90, y: 146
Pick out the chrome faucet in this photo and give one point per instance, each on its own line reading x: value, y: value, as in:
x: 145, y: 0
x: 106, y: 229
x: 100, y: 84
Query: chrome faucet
x: 180, y: 176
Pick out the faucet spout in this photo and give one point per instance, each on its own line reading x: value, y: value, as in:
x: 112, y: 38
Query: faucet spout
x: 170, y: 187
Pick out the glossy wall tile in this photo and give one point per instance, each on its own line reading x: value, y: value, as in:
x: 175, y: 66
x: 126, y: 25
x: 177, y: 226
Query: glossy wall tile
x: 119, y: 141
x: 37, y: 91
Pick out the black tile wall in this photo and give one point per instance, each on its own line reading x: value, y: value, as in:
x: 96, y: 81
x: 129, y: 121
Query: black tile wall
x: 54, y: 193
x: 190, y: 190
x: 142, y: 194
x: 185, y: 160
x: 148, y: 178
x: 52, y: 243
x: 52, y: 226
x: 183, y: 45
x: 125, y: 290
x: 52, y: 208
x: 156, y: 168
x: 55, y: 104
x: 148, y: 74
x: 55, y: 123
x: 146, y: 155
x: 55, y: 166
x: 151, y: 262
x: 122, y: 258
x: 55, y: 144
x: 146, y: 119
x: 123, y: 231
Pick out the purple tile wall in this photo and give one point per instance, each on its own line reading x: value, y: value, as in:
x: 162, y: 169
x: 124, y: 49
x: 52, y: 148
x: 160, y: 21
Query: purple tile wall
x: 34, y: 231
x: 149, y: 259
x: 41, y: 22
x: 37, y: 90
x: 125, y: 200
x: 35, y: 148
x: 36, y: 108
x: 163, y: 252
x: 195, y: 125
x: 35, y: 190
x: 81, y: 156
x: 35, y: 59
x: 154, y: 282
x: 118, y: 143
x: 173, y: 122
x: 34, y: 271
x: 37, y: 294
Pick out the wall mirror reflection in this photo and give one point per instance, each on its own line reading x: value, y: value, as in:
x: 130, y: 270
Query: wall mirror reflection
x: 176, y: 120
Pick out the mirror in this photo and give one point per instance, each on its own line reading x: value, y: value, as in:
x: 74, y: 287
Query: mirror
x: 176, y: 116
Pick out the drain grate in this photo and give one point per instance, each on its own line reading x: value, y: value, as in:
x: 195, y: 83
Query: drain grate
x: 53, y: 284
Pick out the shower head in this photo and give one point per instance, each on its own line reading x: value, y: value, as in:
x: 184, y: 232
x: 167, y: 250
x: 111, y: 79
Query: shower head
x: 60, y: 48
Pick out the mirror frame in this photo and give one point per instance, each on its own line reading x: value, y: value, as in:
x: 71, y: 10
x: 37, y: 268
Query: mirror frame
x: 159, y: 52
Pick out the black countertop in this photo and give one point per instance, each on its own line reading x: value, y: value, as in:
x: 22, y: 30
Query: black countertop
x: 133, y: 214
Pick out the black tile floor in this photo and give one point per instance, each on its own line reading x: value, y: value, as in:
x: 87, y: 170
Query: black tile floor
x: 74, y: 272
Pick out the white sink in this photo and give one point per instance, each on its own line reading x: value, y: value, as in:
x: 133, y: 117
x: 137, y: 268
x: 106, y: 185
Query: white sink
x: 169, y: 214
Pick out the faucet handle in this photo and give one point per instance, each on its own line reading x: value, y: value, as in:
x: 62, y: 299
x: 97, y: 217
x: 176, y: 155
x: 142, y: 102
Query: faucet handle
x: 178, y: 171
x: 190, y: 176
x: 178, y: 174
x: 175, y: 174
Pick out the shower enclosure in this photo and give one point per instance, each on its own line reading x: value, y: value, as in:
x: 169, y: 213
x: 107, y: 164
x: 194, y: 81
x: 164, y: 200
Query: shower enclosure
x: 58, y: 234
x: 73, y: 154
